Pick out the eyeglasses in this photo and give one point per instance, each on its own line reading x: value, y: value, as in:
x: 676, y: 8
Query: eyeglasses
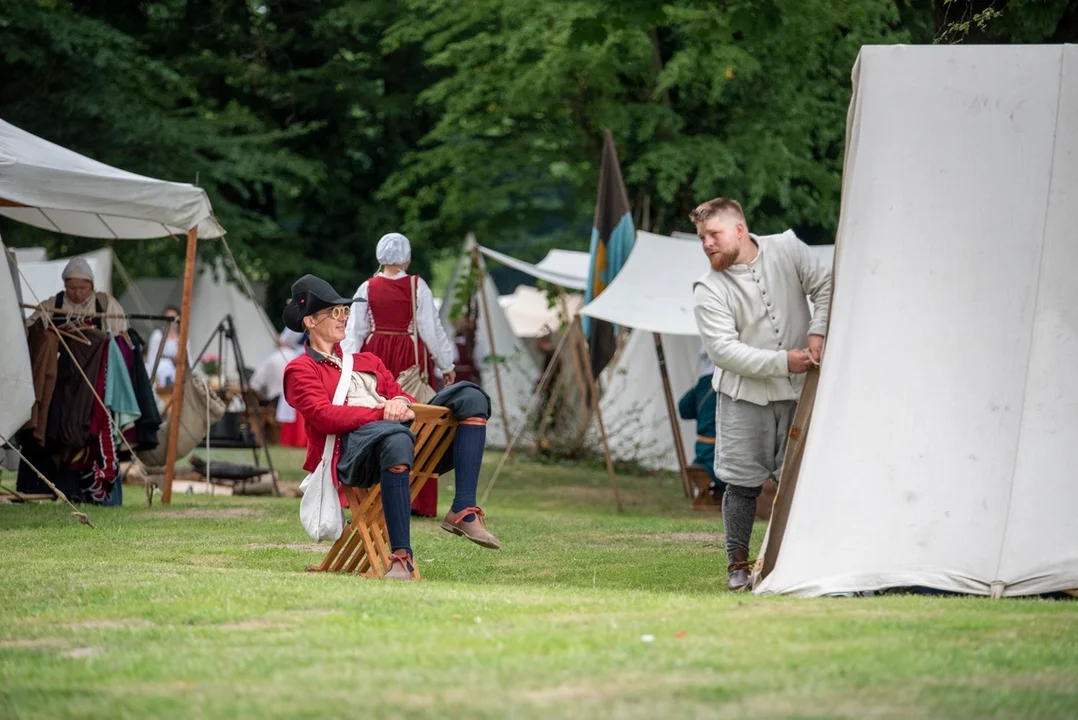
x: 336, y: 312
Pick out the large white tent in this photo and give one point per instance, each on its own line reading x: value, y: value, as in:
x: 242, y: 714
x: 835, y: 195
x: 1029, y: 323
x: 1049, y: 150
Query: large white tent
x: 516, y: 368
x: 941, y: 448
x: 16, y: 383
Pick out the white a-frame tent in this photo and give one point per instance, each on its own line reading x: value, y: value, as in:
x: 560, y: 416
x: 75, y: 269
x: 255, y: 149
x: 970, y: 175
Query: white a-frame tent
x: 942, y: 447
x: 51, y: 187
x: 512, y: 374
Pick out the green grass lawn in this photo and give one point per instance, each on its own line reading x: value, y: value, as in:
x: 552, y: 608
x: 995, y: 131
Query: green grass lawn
x: 203, y: 609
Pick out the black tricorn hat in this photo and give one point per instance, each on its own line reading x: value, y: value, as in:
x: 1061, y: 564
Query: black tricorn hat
x: 309, y: 295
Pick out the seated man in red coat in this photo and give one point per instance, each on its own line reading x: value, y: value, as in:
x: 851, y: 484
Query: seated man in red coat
x: 373, y: 441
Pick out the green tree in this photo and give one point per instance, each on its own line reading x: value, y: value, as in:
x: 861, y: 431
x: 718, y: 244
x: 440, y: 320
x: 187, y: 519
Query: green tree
x: 745, y: 99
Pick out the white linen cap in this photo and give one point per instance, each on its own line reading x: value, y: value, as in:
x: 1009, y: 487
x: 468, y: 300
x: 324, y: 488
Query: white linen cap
x: 78, y: 269
x: 393, y: 249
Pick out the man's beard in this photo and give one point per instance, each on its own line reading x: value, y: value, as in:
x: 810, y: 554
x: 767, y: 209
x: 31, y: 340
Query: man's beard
x: 723, y: 259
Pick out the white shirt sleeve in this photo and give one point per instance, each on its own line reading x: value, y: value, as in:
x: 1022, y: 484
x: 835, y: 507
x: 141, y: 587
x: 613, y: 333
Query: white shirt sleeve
x: 355, y: 332
x: 718, y: 330
x: 431, y: 331
x: 816, y: 283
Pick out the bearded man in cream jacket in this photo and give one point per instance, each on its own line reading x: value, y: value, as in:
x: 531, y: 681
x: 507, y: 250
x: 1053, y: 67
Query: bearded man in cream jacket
x: 754, y: 318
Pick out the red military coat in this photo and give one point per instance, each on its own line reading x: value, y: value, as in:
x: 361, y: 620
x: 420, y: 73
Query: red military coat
x: 309, y: 383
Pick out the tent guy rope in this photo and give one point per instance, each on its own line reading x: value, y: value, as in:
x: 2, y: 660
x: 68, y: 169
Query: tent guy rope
x: 75, y: 512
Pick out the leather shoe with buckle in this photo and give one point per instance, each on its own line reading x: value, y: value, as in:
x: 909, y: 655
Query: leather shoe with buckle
x: 474, y: 529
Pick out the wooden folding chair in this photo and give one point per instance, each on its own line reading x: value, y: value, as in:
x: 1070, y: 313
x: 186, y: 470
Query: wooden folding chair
x: 364, y: 547
x: 701, y: 482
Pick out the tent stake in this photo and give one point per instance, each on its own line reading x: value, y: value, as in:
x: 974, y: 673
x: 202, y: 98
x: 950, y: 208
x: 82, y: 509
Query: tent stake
x: 671, y: 410
x: 490, y: 339
x: 581, y: 346
x: 181, y: 366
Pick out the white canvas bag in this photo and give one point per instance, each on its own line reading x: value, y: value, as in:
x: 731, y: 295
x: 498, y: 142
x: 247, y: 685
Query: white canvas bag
x: 320, y: 508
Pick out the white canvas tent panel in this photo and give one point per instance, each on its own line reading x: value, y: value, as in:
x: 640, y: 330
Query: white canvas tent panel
x: 518, y: 371
x: 29, y: 255
x: 952, y: 466
x: 568, y: 263
x: 529, y: 313
x: 16, y: 382
x: 41, y: 280
x: 571, y: 282
x: 653, y: 291
x: 634, y: 404
x: 214, y: 298
x: 69, y: 193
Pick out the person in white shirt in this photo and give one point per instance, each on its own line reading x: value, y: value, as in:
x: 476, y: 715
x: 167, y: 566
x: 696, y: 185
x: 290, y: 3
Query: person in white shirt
x: 268, y: 378
x: 166, y: 367
x: 754, y: 318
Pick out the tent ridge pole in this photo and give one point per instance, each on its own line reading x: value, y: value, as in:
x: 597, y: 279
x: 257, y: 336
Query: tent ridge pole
x: 671, y: 410
x: 181, y: 366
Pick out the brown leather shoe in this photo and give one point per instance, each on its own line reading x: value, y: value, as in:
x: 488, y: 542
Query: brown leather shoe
x: 475, y: 529
x: 401, y: 567
x: 738, y: 578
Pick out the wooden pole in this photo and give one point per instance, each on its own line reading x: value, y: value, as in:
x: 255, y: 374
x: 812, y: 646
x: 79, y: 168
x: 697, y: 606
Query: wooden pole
x: 582, y: 348
x: 671, y: 410
x: 181, y: 366
x: 490, y: 339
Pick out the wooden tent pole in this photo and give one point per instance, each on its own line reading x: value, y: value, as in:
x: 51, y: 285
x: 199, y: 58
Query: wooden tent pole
x: 581, y: 346
x: 181, y: 366
x: 671, y: 410
x: 490, y: 339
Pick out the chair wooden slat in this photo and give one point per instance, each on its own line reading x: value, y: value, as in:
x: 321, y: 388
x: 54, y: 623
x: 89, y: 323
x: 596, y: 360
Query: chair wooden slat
x: 364, y: 547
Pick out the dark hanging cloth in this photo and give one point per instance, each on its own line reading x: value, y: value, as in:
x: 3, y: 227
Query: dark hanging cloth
x: 69, y: 482
x: 73, y: 400
x: 144, y: 435
x: 44, y: 346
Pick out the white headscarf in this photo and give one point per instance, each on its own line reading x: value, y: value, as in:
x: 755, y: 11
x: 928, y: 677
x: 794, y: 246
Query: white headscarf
x: 393, y: 249
x: 78, y: 269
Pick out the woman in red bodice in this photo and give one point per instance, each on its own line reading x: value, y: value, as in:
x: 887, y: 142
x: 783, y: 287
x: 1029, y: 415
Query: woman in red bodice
x: 385, y: 325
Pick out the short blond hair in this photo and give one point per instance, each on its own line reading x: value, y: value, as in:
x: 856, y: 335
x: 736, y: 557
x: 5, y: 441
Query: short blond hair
x: 716, y: 206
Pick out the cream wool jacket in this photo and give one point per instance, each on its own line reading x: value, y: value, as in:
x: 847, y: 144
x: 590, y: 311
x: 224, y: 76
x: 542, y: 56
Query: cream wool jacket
x: 749, y: 316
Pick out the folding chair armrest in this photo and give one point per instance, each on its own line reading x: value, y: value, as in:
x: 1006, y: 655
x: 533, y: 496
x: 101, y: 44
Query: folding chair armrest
x: 432, y: 414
